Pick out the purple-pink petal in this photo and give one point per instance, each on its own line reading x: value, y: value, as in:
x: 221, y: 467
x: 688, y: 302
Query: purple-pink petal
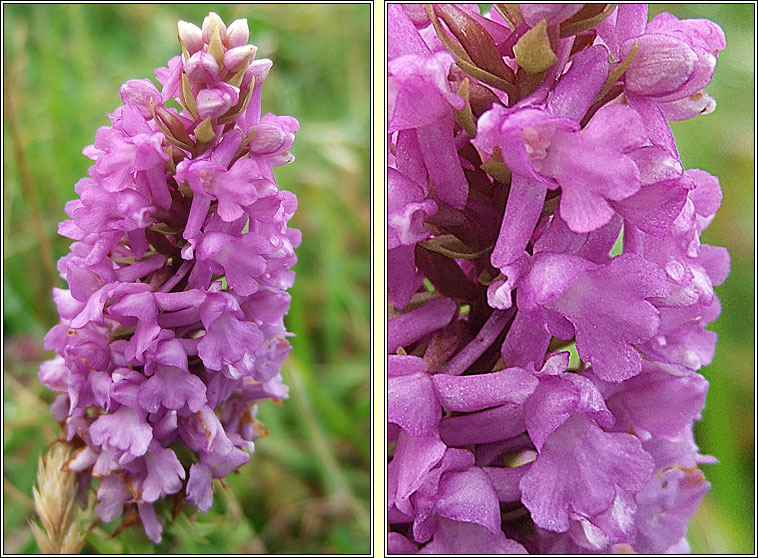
x: 579, y: 469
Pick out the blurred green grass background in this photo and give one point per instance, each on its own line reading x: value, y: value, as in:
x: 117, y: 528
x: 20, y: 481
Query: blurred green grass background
x: 307, y: 488
x: 723, y: 143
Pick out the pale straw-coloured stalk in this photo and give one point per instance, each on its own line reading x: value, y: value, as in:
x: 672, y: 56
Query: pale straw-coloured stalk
x: 58, y: 530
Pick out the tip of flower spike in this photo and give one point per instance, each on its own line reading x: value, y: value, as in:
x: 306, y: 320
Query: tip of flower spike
x: 212, y: 22
x: 260, y: 69
x: 237, y: 33
x: 237, y: 59
x: 190, y: 36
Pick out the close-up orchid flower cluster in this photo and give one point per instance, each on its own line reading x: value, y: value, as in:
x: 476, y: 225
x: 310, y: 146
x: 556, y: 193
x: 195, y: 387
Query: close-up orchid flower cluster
x: 171, y: 330
x: 548, y: 290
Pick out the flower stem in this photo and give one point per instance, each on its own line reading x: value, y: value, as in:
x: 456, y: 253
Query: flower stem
x: 484, y: 339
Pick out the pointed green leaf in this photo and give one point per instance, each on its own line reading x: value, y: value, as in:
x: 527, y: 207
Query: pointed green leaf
x: 204, y: 131
x: 464, y: 61
x: 617, y: 70
x: 188, y: 101
x: 476, y: 41
x: 533, y: 51
x: 216, y: 47
x: 465, y: 117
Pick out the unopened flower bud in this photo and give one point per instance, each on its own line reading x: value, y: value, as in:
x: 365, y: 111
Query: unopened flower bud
x: 239, y: 58
x: 216, y: 101
x: 190, y: 35
x: 259, y: 69
x: 663, y: 65
x: 201, y: 68
x: 139, y: 92
x: 274, y: 135
x: 237, y: 33
x: 211, y: 22
x: 267, y: 139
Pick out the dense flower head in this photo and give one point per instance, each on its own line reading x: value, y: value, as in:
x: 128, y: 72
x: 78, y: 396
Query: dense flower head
x: 548, y: 289
x: 171, y: 330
